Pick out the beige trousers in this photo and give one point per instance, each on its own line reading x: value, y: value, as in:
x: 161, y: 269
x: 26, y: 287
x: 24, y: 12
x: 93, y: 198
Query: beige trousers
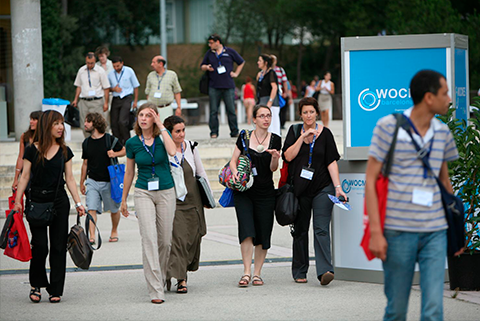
x: 155, y: 212
x: 85, y: 107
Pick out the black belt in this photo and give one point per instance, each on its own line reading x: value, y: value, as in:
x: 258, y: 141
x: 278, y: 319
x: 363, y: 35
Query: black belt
x: 166, y: 105
x: 90, y: 99
x: 123, y: 97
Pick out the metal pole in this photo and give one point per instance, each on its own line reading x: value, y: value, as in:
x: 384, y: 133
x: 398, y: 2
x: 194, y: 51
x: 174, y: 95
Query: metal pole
x: 163, y: 29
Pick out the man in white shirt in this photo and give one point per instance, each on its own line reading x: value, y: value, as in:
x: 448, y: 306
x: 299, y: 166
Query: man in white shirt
x: 92, y: 88
x: 124, y: 85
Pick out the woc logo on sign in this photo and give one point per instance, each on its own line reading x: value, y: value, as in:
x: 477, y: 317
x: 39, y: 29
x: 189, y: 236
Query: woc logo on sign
x: 349, y: 184
x: 369, y: 100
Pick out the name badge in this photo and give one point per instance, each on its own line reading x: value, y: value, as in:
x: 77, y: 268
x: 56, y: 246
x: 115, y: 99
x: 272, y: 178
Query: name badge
x: 254, y: 171
x: 422, y: 196
x: 157, y: 95
x: 91, y: 93
x: 307, y: 173
x: 221, y: 69
x: 153, y: 184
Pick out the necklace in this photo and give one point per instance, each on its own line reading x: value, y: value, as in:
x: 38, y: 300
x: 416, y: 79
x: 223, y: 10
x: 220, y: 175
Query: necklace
x: 260, y: 147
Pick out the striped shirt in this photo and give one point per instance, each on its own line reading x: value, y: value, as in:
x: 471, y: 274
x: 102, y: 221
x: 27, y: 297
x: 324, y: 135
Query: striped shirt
x: 166, y: 84
x: 407, y: 173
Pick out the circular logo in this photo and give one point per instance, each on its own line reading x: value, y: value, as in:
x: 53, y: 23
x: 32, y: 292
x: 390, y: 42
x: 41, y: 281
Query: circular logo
x: 121, y: 185
x: 346, y: 187
x: 368, y: 100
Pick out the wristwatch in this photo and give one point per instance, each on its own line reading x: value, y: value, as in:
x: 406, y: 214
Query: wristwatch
x: 270, y: 99
x: 77, y: 205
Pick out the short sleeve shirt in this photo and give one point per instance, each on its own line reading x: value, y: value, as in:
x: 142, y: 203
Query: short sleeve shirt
x: 95, y: 152
x: 90, y: 81
x: 136, y: 150
x: 226, y: 59
x: 166, y: 84
x: 45, y: 175
x: 407, y: 173
x: 126, y: 79
x: 264, y: 84
x: 324, y: 153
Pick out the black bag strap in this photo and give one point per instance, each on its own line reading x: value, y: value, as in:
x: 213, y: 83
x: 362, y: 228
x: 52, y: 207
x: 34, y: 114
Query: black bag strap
x: 110, y: 146
x: 89, y: 218
x: 245, y: 137
x: 389, y: 158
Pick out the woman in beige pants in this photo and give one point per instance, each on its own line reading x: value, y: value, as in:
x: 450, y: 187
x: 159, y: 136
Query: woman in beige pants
x: 154, y: 195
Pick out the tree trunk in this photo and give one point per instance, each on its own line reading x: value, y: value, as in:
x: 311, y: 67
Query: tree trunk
x: 328, y: 56
x: 299, y: 61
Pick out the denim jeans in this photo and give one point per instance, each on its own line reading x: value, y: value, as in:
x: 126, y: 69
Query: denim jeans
x: 429, y: 249
x: 228, y: 95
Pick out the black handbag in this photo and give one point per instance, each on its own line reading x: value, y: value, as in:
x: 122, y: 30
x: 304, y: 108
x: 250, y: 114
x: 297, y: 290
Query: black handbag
x: 6, y: 227
x: 78, y: 243
x: 204, y: 83
x: 43, y: 214
x: 286, y: 205
x: 453, y: 205
x: 72, y: 116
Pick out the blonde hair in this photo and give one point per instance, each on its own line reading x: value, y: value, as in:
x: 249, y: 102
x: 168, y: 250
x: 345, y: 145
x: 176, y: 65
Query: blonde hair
x: 137, y: 129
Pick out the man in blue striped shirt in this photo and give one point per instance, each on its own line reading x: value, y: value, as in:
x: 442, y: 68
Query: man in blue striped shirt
x: 415, y: 224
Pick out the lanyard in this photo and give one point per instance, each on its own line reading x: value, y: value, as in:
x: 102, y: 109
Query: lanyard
x: 424, y: 152
x: 218, y: 57
x: 160, y: 80
x: 89, y: 82
x: 183, y: 156
x: 151, y: 154
x: 311, y: 146
x: 121, y: 75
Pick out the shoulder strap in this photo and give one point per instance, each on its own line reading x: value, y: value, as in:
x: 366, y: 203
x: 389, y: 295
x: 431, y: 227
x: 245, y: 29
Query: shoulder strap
x: 193, y: 145
x: 296, y: 130
x: 389, y: 158
x: 110, y: 146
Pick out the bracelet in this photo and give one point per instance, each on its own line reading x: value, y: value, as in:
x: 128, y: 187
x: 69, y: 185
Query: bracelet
x: 18, y: 169
x: 163, y: 129
x: 338, y: 186
x: 270, y: 99
x: 77, y: 205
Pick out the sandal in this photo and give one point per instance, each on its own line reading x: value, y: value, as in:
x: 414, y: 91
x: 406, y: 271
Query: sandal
x: 304, y: 280
x: 35, y: 292
x: 182, y: 289
x: 92, y: 241
x: 53, y: 299
x: 157, y: 301
x: 257, y: 281
x: 244, y: 281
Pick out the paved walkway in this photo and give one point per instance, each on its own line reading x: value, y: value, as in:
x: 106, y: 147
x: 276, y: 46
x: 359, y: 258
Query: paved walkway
x: 114, y: 288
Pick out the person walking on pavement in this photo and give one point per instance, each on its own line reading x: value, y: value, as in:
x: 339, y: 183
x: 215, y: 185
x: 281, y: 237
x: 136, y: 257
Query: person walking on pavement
x: 415, y: 224
x: 255, y: 206
x: 189, y: 225
x: 92, y: 84
x: 163, y: 87
x: 124, y: 85
x: 267, y: 91
x: 47, y: 160
x: 97, y: 150
x: 218, y: 61
x: 154, y: 195
x: 283, y: 90
x: 326, y: 89
x: 313, y: 165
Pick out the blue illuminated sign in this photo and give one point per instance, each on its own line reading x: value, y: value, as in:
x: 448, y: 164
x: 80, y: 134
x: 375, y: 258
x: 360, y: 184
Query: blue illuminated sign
x: 461, y: 84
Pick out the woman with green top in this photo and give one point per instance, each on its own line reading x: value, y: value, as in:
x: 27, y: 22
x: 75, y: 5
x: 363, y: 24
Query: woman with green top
x: 154, y: 194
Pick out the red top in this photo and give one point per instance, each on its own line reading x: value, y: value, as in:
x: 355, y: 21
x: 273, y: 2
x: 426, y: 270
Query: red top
x: 248, y: 91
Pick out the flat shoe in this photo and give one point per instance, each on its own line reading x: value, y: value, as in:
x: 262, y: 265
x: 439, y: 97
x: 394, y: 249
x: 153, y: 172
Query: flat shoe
x: 35, y: 292
x: 50, y: 298
x: 244, y: 281
x: 257, y: 281
x: 113, y: 239
x: 157, y: 301
x: 301, y: 281
x: 326, y: 278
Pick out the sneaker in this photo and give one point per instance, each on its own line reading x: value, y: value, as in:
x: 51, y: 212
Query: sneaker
x: 326, y: 278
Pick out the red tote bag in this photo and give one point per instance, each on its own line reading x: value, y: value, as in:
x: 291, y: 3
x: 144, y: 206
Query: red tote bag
x: 381, y: 187
x: 18, y: 245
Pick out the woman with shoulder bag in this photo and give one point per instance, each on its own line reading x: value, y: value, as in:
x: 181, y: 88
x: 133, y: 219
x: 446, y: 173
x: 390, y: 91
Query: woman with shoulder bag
x: 189, y: 225
x: 154, y: 194
x: 46, y: 160
x: 313, y: 165
x: 255, y: 206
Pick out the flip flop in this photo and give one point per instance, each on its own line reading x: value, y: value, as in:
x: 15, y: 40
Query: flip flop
x: 92, y: 242
x: 113, y: 239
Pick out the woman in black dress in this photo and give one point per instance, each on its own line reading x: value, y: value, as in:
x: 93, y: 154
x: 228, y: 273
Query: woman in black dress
x: 43, y: 159
x: 267, y: 89
x: 255, y: 206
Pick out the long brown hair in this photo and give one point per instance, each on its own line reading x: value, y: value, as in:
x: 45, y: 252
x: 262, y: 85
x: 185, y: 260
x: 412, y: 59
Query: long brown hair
x: 138, y: 130
x: 29, y: 133
x: 43, y: 134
